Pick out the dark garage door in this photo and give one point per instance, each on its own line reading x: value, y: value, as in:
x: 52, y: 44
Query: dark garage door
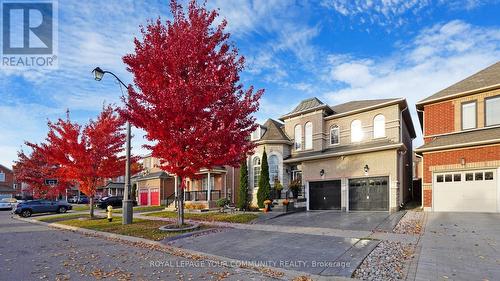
x: 369, y: 194
x: 324, y: 195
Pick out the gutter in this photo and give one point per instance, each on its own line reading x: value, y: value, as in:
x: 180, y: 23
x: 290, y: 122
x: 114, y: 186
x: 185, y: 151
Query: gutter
x: 364, y: 109
x: 462, y: 145
x: 351, y: 152
x: 475, y: 91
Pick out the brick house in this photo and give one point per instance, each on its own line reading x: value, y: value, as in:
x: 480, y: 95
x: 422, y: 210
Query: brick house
x: 461, y: 151
x: 155, y: 187
x: 6, y: 182
x: 355, y: 156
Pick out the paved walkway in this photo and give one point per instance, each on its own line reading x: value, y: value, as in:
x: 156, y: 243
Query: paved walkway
x: 320, y: 231
x: 460, y: 246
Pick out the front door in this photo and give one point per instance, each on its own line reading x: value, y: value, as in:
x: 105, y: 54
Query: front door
x: 369, y: 194
x: 325, y: 195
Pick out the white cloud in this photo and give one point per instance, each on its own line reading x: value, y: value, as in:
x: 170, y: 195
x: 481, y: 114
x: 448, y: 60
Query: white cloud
x: 438, y: 57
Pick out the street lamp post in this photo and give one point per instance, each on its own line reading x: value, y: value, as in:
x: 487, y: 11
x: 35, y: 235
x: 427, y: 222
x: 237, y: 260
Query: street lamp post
x: 127, y: 216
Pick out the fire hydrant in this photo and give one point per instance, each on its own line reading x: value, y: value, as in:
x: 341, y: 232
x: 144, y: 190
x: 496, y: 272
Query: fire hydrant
x: 110, y: 213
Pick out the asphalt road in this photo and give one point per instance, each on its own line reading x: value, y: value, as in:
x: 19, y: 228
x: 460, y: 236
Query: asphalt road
x: 34, y: 252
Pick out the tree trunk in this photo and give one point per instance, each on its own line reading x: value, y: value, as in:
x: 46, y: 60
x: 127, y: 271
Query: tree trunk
x: 91, y: 202
x: 180, y: 202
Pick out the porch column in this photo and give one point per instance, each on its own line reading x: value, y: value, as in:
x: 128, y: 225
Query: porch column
x: 225, y: 185
x: 209, y: 189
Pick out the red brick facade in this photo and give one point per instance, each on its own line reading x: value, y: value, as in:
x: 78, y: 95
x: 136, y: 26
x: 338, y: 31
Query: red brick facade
x: 9, y: 179
x: 471, y: 155
x: 439, y: 118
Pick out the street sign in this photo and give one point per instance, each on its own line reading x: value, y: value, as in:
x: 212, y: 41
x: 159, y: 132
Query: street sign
x: 51, y: 182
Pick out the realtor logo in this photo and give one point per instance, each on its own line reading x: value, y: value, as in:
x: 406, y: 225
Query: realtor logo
x: 29, y: 33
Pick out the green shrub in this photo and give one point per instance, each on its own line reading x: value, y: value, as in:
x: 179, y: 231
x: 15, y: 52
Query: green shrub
x: 222, y: 202
x: 243, y: 191
x: 264, y: 191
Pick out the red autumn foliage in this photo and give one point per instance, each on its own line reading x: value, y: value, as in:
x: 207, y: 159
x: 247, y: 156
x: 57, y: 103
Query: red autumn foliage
x: 88, y: 155
x: 34, y: 168
x: 190, y: 100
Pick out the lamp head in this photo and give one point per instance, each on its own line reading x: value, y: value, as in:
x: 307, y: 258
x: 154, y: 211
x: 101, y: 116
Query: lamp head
x: 98, y: 73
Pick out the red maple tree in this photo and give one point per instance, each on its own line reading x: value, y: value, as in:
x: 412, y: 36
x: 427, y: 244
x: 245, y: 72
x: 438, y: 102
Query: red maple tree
x: 88, y: 155
x: 190, y: 100
x: 34, y: 168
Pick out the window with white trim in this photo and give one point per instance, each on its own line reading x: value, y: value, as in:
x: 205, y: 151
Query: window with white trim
x: 356, y: 131
x: 379, y: 126
x: 256, y: 134
x: 2, y: 176
x: 469, y: 115
x: 298, y: 137
x: 334, y: 135
x: 256, y: 171
x: 492, y: 111
x: 308, y: 136
x: 273, y: 169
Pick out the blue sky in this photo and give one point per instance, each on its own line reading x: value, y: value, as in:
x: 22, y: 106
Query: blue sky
x: 336, y: 50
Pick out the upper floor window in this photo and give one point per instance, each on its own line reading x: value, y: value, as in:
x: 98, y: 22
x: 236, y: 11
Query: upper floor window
x: 256, y: 171
x: 356, y: 131
x: 298, y: 137
x: 334, y: 135
x: 379, y: 126
x: 255, y: 134
x: 469, y: 115
x: 492, y: 109
x: 309, y: 136
x: 2, y: 176
x: 273, y: 168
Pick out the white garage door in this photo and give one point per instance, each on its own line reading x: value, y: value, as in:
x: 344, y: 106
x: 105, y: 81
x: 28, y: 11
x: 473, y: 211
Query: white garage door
x: 465, y: 191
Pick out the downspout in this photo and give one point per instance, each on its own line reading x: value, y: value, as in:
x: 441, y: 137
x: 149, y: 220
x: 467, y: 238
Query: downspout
x: 401, y: 179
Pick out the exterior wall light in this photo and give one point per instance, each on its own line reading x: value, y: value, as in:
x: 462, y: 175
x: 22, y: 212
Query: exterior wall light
x: 366, y: 169
x: 322, y: 172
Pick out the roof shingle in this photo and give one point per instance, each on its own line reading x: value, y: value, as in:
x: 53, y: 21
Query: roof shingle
x: 462, y: 139
x: 274, y: 131
x: 487, y: 77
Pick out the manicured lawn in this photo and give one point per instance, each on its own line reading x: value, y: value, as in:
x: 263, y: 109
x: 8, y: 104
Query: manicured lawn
x: 142, y: 209
x: 210, y: 216
x: 140, y: 228
x: 80, y: 207
x: 62, y: 217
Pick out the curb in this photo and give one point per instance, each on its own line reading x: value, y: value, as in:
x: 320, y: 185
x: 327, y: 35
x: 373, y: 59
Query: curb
x: 285, y: 274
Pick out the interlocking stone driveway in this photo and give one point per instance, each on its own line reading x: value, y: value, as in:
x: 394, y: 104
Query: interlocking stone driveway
x: 460, y: 246
x: 316, y: 254
x: 366, y: 221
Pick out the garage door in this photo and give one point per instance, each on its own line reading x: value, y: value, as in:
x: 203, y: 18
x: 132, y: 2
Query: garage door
x: 465, y: 191
x: 369, y: 194
x: 325, y: 195
x: 155, y: 196
x: 143, y: 197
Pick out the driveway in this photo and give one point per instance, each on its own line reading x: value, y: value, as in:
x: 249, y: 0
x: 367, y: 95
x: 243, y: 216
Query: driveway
x: 365, y: 221
x: 460, y: 246
x: 315, y: 254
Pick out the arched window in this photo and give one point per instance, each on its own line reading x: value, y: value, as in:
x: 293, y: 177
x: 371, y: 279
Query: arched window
x: 356, y: 131
x: 379, y: 126
x: 334, y: 135
x: 256, y: 171
x: 309, y: 136
x: 273, y: 169
x: 298, y: 137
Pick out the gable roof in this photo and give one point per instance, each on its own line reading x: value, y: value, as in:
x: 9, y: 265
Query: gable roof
x: 305, y: 106
x: 462, y: 139
x: 274, y: 131
x: 359, y: 104
x: 486, y: 78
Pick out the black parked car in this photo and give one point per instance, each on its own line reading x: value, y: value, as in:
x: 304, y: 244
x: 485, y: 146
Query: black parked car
x: 115, y: 201
x: 26, y: 209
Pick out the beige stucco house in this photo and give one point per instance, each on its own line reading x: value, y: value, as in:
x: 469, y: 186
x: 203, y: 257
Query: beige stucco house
x: 352, y: 156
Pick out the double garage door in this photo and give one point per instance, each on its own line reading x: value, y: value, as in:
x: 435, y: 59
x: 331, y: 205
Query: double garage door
x: 149, y: 196
x: 366, y: 194
x: 466, y: 191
